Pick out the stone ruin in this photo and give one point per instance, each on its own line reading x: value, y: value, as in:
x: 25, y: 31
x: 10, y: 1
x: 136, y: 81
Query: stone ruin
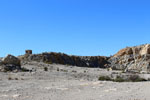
x: 28, y: 52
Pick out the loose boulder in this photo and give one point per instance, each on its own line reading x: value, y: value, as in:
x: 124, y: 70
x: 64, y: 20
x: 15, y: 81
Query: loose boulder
x: 10, y: 59
x: 10, y: 63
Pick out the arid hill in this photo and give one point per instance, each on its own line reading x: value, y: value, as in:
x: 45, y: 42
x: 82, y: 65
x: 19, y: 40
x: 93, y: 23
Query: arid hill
x: 132, y: 59
x: 61, y: 58
x: 51, y: 76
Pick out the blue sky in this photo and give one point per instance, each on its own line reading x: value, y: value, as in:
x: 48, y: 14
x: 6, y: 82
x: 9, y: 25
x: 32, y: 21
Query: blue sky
x: 79, y: 27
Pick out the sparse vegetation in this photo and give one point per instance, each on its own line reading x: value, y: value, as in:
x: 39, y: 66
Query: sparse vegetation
x: 63, y: 70
x: 136, y: 78
x: 119, y: 79
x: 74, y: 71
x: 9, y: 78
x: 16, y: 78
x: 104, y: 78
x: 132, y: 78
x: 49, y: 62
x: 24, y: 69
x: 45, y: 69
x: 58, y: 69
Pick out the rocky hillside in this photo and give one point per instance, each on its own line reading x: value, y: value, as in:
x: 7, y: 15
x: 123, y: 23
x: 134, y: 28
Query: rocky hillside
x: 61, y: 58
x: 132, y: 59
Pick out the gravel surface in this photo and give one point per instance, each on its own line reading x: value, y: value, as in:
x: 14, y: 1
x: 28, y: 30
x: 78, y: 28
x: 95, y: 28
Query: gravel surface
x: 62, y: 82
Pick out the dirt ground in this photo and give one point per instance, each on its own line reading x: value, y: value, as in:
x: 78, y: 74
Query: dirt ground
x: 63, y: 82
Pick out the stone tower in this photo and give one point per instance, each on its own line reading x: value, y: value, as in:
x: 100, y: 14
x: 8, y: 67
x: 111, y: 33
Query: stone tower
x: 28, y: 52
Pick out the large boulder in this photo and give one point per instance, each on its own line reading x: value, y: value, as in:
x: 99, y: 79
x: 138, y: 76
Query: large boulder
x: 10, y: 59
x: 10, y: 63
x: 132, y: 59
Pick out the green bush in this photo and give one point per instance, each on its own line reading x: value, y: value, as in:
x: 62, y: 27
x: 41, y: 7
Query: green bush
x: 136, y: 78
x: 9, y: 78
x: 45, y: 69
x: 104, y: 78
x: 119, y: 79
x: 58, y: 69
x: 24, y: 69
x: 132, y: 78
x: 49, y: 62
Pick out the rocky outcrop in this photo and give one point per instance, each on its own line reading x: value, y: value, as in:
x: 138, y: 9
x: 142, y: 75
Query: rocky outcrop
x: 61, y: 58
x: 132, y: 59
x: 10, y: 59
x: 10, y: 63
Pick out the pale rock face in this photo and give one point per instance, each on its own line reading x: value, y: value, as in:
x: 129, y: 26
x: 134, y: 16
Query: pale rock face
x: 138, y: 50
x: 135, y: 59
x: 145, y: 50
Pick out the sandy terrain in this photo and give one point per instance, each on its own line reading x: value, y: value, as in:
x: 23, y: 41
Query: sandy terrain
x: 67, y: 83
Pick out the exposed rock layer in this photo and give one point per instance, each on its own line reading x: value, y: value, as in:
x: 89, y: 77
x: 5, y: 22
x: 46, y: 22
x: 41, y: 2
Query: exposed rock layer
x: 60, y: 58
x: 132, y: 59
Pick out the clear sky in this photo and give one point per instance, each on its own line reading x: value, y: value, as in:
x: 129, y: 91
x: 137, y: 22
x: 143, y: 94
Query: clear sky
x: 79, y: 27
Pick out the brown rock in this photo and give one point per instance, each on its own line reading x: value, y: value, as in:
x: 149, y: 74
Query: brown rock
x: 132, y: 59
x: 10, y: 59
x: 28, y: 51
